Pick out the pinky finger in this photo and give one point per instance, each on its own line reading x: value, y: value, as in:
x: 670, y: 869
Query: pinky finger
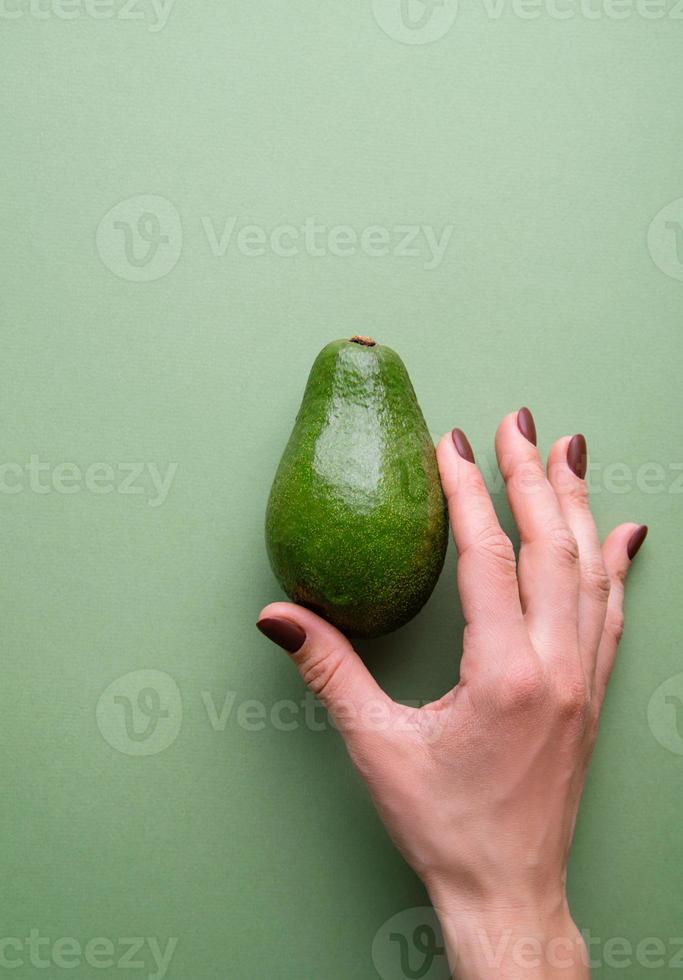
x: 618, y: 551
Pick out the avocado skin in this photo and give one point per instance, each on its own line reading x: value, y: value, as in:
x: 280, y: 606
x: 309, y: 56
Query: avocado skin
x: 356, y: 526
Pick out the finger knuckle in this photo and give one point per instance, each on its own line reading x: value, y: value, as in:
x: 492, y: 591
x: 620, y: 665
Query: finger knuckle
x: 495, y: 546
x: 596, y: 579
x: 614, y: 624
x: 572, y: 699
x: 562, y: 544
x: 320, y: 674
x: 524, y: 689
x: 527, y: 476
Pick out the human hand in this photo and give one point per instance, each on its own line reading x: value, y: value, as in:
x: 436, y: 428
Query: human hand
x: 480, y: 790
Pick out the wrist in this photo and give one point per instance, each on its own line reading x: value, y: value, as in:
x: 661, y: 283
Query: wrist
x: 515, y: 940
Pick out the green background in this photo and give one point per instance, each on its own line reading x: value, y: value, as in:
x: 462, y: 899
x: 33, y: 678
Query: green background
x: 549, y: 146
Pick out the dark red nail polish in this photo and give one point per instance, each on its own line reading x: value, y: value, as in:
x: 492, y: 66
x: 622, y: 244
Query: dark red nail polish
x: 287, y: 635
x: 526, y: 425
x: 462, y: 444
x: 636, y: 540
x: 577, y: 456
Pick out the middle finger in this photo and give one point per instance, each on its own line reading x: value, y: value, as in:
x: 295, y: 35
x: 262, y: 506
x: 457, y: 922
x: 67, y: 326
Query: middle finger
x: 548, y: 569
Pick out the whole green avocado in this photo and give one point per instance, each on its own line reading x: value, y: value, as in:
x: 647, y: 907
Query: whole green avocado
x: 356, y: 525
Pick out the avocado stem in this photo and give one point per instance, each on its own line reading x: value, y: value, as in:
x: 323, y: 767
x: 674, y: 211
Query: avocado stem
x: 360, y: 339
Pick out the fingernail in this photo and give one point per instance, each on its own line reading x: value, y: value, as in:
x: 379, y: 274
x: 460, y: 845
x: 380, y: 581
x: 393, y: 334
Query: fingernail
x: 526, y: 424
x: 287, y: 635
x: 636, y: 540
x: 462, y: 444
x: 577, y: 456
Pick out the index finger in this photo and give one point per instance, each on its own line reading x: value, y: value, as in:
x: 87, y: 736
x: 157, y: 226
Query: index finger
x: 487, y: 575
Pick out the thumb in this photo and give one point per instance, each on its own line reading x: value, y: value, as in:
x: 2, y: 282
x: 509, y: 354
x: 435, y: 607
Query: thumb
x: 328, y: 664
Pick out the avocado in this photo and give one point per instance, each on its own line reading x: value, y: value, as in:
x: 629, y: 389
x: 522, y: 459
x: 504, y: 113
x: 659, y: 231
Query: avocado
x: 356, y: 526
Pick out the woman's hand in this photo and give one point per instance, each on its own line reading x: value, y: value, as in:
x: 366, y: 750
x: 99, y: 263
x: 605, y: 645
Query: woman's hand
x: 480, y: 790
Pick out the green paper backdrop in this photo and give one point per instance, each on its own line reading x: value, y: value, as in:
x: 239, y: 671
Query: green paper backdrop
x: 195, y: 198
